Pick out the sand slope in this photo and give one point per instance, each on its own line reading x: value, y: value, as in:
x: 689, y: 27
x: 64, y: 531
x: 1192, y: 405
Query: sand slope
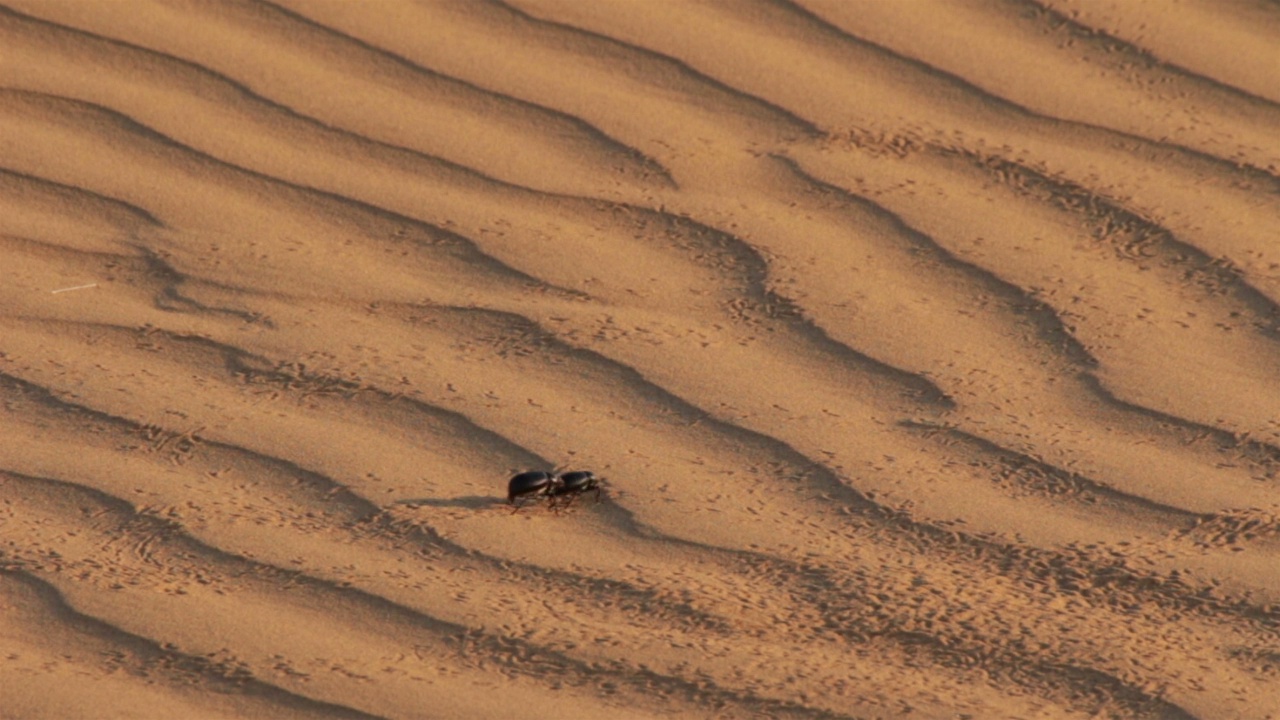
x: 930, y: 350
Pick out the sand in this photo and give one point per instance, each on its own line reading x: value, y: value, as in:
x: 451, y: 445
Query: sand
x: 930, y: 352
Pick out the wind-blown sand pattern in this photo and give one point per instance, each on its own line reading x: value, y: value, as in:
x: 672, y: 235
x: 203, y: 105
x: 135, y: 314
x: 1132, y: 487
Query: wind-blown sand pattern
x: 929, y: 349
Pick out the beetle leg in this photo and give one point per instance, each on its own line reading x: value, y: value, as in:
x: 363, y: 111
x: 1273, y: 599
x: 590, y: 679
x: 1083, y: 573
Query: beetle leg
x: 519, y: 502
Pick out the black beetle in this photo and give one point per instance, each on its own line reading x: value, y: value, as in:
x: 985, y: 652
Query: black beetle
x: 534, y: 483
x: 572, y: 484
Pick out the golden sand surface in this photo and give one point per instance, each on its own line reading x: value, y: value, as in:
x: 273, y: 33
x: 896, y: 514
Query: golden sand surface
x: 929, y: 350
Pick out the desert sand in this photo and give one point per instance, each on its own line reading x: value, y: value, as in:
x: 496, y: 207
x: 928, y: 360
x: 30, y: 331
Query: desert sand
x: 930, y: 351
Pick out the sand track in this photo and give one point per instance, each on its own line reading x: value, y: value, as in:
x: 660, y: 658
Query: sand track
x: 929, y: 350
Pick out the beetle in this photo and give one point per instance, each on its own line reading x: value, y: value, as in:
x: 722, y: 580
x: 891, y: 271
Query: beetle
x: 536, y: 484
x: 572, y: 484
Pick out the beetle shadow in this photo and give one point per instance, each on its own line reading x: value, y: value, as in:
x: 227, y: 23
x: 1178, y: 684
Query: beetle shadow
x: 473, y: 502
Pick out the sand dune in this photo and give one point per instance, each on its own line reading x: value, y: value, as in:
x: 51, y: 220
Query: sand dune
x: 930, y: 352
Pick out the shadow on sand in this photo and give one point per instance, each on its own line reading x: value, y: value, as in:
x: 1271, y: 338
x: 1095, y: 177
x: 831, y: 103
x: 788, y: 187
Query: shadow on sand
x: 474, y: 502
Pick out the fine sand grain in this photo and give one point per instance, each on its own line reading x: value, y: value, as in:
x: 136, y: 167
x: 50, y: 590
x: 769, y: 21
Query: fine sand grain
x: 930, y: 349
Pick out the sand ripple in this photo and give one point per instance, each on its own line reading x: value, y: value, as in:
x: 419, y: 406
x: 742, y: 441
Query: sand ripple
x: 929, y: 350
